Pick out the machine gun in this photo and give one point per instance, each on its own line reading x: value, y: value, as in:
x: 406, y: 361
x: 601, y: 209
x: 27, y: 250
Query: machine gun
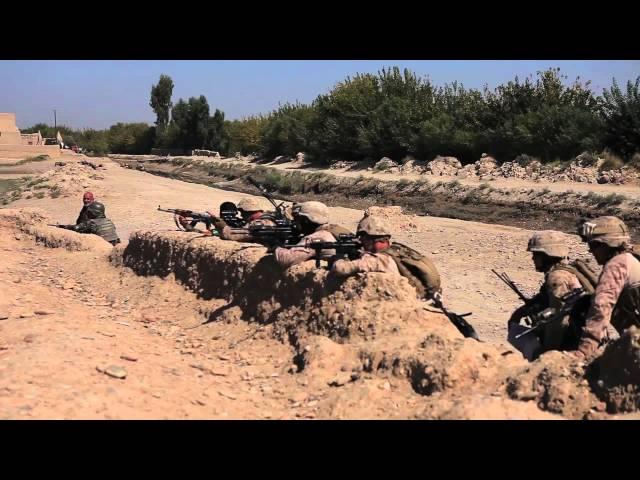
x: 574, y: 303
x: 279, y: 209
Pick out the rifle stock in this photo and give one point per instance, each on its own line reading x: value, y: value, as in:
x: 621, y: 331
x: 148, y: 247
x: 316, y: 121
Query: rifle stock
x: 464, y: 327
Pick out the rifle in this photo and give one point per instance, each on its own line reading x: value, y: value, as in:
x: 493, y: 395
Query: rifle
x: 280, y: 235
x: 573, y: 303
x: 279, y: 208
x: 464, y: 327
x: 197, y: 217
x: 348, y: 246
x: 60, y: 225
x: 505, y: 278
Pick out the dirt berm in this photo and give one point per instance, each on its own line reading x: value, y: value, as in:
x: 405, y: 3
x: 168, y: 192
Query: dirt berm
x: 33, y: 221
x: 369, y: 324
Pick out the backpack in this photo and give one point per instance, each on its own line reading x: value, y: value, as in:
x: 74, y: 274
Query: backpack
x: 418, y: 269
x: 586, y: 276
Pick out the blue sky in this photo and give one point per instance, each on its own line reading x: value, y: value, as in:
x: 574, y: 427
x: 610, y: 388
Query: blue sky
x: 97, y: 94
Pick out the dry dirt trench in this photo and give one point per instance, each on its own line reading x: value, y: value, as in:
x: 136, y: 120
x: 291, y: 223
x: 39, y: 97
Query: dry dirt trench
x: 464, y: 252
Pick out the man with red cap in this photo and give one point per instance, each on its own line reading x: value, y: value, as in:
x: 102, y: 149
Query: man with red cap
x: 87, y: 199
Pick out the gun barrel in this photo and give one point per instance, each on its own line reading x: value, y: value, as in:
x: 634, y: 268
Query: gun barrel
x: 526, y: 332
x: 507, y: 281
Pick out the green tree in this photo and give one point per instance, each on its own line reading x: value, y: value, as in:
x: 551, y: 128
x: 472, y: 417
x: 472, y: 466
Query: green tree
x: 131, y: 138
x: 190, y: 123
x: 217, y: 136
x: 621, y: 112
x: 160, y: 101
x: 287, y: 130
x: 244, y: 135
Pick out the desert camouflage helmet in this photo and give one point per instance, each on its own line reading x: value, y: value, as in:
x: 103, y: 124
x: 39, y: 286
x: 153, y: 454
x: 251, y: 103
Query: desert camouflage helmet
x: 608, y: 230
x: 373, y: 226
x: 96, y: 210
x: 317, y: 212
x: 549, y: 242
x: 249, y: 204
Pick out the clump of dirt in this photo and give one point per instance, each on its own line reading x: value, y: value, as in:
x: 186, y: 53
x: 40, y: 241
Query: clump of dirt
x: 23, y: 217
x: 615, y: 375
x: 441, y: 363
x: 556, y: 382
x: 395, y: 218
x: 70, y: 179
x: 483, y: 407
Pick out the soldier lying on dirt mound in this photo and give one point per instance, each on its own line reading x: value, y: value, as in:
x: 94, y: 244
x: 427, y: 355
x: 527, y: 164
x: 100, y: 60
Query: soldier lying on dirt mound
x: 96, y: 223
x: 374, y: 252
x: 375, y: 239
x: 616, y: 300
x: 252, y: 213
x: 549, y: 254
x: 312, y: 220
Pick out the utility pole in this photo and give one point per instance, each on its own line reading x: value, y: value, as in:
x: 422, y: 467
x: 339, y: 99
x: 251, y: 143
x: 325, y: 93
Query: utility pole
x: 55, y: 121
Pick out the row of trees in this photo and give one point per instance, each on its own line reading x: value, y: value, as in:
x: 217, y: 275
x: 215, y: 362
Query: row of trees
x: 396, y: 114
x: 129, y: 138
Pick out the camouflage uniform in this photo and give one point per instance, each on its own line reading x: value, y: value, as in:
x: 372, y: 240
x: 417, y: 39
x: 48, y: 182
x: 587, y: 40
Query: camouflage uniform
x: 98, y: 224
x: 250, y: 205
x: 317, y: 213
x: 558, y: 281
x: 102, y: 227
x: 617, y: 297
x: 369, y: 261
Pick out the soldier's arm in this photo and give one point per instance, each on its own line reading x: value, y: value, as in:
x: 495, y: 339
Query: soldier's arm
x: 287, y: 257
x: 367, y: 263
x: 345, y: 268
x: 613, y: 279
x: 238, y: 234
x: 235, y: 234
x: 84, y: 227
x: 558, y: 284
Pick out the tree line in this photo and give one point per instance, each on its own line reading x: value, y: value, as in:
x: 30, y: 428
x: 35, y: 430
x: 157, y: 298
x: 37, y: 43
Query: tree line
x: 395, y: 114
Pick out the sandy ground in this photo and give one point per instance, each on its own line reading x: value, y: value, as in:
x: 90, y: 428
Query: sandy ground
x: 464, y: 252
x: 63, y: 336
x: 71, y: 316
